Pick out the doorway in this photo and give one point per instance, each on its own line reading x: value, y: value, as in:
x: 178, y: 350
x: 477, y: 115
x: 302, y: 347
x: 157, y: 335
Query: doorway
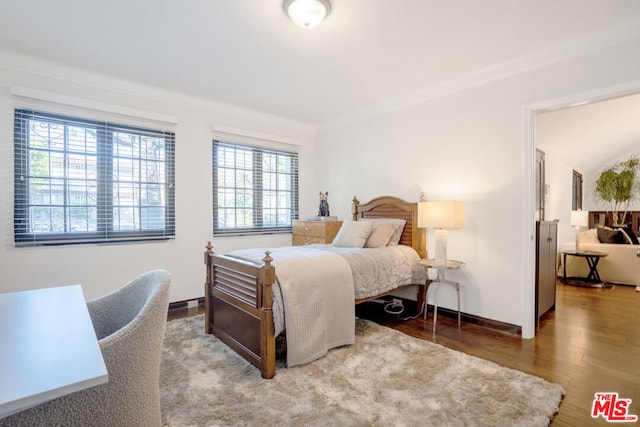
x: 552, y: 210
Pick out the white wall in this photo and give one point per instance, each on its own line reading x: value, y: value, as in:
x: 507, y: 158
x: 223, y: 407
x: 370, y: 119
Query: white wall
x: 559, y: 177
x: 469, y: 146
x: 103, y: 268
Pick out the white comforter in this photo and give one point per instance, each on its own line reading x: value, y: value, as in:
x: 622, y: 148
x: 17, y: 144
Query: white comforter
x: 316, y: 286
x: 376, y: 271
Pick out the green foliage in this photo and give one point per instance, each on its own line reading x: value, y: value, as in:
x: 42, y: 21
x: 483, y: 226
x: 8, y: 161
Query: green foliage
x: 618, y: 184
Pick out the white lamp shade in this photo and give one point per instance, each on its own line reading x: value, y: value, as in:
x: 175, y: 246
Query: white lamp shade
x: 580, y: 218
x: 307, y: 13
x: 447, y: 215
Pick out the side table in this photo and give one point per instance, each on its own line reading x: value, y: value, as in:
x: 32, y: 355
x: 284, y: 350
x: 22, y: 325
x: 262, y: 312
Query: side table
x: 592, y: 258
x: 440, y: 280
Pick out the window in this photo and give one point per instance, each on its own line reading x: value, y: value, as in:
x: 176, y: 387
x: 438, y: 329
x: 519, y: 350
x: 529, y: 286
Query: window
x: 255, y: 190
x: 84, y: 181
x: 576, y: 203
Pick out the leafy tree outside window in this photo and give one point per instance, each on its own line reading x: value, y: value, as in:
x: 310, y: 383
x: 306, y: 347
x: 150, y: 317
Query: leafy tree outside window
x: 255, y: 190
x: 84, y: 181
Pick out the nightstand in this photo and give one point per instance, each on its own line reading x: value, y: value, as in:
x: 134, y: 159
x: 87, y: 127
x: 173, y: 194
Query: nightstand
x: 308, y: 232
x: 440, y: 280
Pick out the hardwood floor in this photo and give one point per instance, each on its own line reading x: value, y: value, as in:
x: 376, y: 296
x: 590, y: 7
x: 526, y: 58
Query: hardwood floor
x: 589, y: 344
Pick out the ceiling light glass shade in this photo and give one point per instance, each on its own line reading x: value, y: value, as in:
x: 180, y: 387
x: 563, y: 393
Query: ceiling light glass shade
x: 307, y: 13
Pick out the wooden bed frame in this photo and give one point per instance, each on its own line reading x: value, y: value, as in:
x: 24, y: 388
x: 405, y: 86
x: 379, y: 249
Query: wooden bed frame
x: 238, y: 294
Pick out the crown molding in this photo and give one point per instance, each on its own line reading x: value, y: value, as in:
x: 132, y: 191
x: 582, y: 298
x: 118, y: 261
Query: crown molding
x: 524, y: 63
x: 232, y: 134
x: 600, y: 40
x: 37, y: 95
x: 34, y: 66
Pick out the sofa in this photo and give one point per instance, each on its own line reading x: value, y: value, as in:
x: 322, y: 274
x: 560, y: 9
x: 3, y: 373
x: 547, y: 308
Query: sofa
x: 620, y: 266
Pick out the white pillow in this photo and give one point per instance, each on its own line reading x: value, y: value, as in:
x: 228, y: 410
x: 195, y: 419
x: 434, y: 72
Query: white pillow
x: 399, y: 226
x: 380, y: 235
x: 353, y: 234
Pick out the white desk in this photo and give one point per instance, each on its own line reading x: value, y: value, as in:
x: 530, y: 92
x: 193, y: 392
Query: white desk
x: 48, y: 347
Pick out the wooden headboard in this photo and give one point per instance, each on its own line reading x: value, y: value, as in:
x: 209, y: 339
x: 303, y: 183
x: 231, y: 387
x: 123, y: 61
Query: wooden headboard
x: 393, y: 207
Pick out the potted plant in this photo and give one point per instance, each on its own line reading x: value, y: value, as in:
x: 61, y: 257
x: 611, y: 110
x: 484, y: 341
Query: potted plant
x: 618, y: 186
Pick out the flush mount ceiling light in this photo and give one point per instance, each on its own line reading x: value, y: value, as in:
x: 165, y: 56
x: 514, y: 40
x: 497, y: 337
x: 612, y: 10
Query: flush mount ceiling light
x: 307, y: 13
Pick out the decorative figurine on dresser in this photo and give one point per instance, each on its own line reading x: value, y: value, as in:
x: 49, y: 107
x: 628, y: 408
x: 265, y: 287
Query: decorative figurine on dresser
x: 316, y: 229
x: 323, y: 210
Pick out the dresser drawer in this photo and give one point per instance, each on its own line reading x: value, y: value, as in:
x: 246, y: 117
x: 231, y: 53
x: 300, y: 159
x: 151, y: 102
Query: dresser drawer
x: 301, y: 240
x: 308, y: 232
x: 309, y: 228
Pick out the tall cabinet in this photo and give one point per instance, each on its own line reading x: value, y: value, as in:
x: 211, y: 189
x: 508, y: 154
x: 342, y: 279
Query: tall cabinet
x: 546, y: 266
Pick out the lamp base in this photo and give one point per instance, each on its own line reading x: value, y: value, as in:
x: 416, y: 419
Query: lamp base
x: 441, y: 247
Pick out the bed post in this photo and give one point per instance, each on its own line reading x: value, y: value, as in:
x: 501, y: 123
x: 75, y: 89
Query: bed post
x: 421, y: 233
x: 354, y: 208
x: 267, y: 328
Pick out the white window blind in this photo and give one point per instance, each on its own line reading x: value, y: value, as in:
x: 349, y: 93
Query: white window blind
x: 88, y: 181
x: 255, y: 190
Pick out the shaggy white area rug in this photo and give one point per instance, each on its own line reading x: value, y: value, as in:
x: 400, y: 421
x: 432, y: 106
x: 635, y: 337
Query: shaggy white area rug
x: 385, y: 378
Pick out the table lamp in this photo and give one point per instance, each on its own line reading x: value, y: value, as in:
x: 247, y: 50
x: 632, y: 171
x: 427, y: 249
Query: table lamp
x: 579, y: 219
x: 442, y: 216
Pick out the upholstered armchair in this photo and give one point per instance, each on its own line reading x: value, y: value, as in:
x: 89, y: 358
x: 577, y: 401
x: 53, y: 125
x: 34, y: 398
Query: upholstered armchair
x: 130, y: 325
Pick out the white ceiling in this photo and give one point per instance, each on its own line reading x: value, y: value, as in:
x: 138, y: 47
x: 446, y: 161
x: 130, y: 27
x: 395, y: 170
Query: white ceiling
x: 247, y: 52
x: 590, y: 137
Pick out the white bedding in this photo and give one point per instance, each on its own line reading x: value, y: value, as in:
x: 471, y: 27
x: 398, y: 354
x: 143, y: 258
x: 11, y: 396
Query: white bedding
x: 315, y: 303
x: 378, y: 270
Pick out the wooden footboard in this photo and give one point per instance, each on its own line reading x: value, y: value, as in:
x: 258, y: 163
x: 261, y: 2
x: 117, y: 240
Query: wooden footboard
x: 238, y: 307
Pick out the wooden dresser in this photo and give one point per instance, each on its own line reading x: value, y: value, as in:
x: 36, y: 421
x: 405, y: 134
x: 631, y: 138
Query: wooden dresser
x: 307, y: 232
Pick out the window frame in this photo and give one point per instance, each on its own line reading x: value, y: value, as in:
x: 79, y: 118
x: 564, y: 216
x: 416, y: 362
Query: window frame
x: 104, y: 205
x: 258, y: 228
